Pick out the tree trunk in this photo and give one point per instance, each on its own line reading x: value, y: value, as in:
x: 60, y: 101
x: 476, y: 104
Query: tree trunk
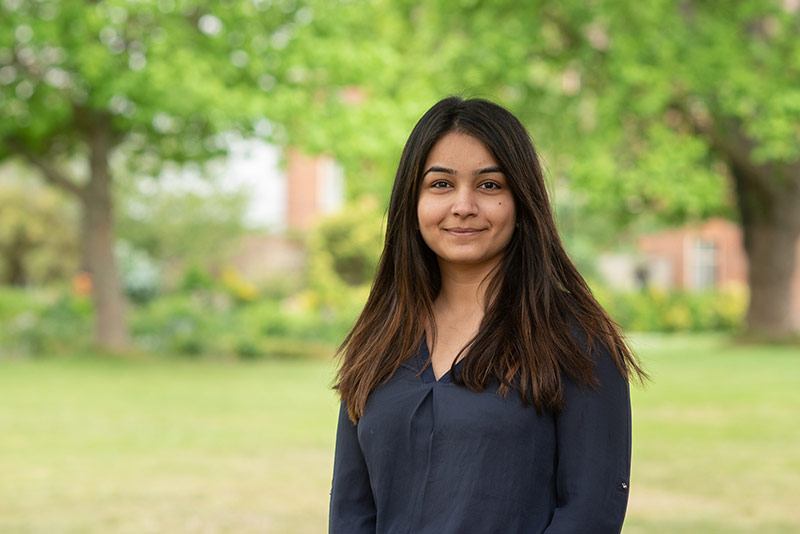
x: 768, y: 199
x: 97, y: 233
x: 16, y: 274
x: 98, y: 239
x: 771, y: 252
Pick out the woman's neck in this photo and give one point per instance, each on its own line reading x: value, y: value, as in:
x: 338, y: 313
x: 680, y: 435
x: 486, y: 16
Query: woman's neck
x: 457, y: 312
x: 463, y: 288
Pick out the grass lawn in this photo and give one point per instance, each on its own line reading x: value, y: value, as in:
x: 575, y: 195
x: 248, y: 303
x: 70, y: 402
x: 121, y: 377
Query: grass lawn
x: 174, y: 446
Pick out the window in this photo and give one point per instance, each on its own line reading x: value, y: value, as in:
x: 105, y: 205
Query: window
x: 704, y: 264
x: 330, y: 191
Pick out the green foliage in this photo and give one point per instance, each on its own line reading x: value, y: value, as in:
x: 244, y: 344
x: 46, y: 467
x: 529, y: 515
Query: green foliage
x: 38, y: 243
x: 656, y: 310
x: 630, y: 103
x: 345, y: 248
x: 236, y: 286
x: 200, y: 323
x: 177, y: 227
x: 616, y: 93
x: 197, y: 323
x: 183, y: 324
x: 164, y: 81
x: 343, y: 254
x: 140, y: 274
x: 196, y: 278
x: 15, y: 301
x: 293, y: 319
x: 39, y: 322
x: 171, y: 75
x: 282, y: 286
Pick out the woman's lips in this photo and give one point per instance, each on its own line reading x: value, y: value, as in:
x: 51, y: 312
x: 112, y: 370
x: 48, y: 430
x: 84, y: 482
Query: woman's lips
x: 463, y: 232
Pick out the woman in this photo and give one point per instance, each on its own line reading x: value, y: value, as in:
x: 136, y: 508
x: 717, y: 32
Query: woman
x: 483, y: 388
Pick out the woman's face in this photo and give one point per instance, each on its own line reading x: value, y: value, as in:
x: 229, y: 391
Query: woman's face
x: 466, y: 210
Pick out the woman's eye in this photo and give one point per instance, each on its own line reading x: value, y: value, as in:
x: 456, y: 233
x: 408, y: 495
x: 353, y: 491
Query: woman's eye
x: 490, y: 185
x: 441, y: 184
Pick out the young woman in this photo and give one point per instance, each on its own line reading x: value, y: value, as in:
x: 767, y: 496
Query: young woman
x: 484, y: 390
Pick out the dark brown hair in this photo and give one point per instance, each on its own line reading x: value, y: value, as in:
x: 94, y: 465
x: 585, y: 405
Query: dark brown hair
x: 541, y: 320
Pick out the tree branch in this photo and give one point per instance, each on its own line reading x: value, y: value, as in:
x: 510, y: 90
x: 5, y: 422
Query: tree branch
x: 733, y: 145
x: 52, y: 175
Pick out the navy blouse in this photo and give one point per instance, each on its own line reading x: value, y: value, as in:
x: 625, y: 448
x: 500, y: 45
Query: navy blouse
x: 431, y: 456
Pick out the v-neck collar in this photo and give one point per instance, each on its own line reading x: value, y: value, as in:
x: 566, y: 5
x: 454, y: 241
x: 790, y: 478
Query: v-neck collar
x: 424, y: 361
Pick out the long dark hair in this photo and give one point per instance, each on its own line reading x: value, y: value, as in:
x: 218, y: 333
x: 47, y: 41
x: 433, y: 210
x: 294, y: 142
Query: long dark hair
x: 541, y: 320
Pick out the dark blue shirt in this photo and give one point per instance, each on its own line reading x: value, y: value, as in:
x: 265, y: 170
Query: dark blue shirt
x: 431, y: 456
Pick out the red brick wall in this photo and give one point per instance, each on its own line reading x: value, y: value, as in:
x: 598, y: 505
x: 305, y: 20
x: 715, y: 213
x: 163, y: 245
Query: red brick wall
x: 303, y: 182
x: 676, y: 247
x: 669, y: 245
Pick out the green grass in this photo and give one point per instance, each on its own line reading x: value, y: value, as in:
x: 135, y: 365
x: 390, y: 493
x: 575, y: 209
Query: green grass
x: 90, y: 446
x: 173, y: 446
x: 716, y: 438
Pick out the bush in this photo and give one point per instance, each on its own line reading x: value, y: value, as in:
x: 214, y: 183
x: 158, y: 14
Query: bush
x: 197, y: 323
x: 656, y: 310
x: 181, y: 323
x: 196, y: 278
x: 44, y: 321
x: 345, y: 247
x: 208, y: 323
x: 139, y: 273
x: 299, y: 317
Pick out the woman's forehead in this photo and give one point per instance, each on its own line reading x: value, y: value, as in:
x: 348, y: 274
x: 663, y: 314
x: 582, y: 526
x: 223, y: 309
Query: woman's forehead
x: 456, y: 150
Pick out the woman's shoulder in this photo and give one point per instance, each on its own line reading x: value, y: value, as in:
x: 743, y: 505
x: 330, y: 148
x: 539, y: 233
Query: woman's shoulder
x: 597, y: 350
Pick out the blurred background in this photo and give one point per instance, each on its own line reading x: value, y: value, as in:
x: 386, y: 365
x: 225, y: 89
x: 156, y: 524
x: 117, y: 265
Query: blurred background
x: 192, y: 202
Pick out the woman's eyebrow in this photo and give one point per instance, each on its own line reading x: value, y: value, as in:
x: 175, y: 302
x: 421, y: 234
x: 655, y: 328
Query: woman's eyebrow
x: 485, y: 170
x: 436, y: 168
x: 488, y: 170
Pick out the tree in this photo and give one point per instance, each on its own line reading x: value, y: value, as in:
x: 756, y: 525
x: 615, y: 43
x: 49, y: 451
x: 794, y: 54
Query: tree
x: 656, y: 111
x: 622, y: 97
x: 158, y: 81
x: 691, y: 95
x: 692, y: 105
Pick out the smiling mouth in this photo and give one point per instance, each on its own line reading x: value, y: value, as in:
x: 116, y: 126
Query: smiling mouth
x: 463, y: 232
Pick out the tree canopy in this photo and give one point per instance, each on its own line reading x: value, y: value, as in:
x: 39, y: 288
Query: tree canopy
x: 650, y: 113
x: 646, y: 113
x: 160, y: 81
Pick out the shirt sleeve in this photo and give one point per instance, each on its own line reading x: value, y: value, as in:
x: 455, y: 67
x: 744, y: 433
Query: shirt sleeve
x: 352, y: 507
x: 594, y: 454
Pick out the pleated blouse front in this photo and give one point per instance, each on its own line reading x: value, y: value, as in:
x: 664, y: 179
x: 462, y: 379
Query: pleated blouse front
x: 431, y: 456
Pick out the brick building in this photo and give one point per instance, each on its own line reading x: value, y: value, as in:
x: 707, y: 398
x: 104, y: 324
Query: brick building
x: 697, y: 257
x: 315, y: 187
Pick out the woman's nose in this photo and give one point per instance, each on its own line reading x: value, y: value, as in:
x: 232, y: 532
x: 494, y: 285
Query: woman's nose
x: 464, y: 202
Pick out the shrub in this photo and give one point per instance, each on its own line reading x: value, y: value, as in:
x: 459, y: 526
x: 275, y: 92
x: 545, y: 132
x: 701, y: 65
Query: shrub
x: 196, y: 278
x: 180, y: 323
x: 207, y: 323
x: 139, y: 273
x: 656, y: 310
x: 44, y: 321
x: 238, y: 286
